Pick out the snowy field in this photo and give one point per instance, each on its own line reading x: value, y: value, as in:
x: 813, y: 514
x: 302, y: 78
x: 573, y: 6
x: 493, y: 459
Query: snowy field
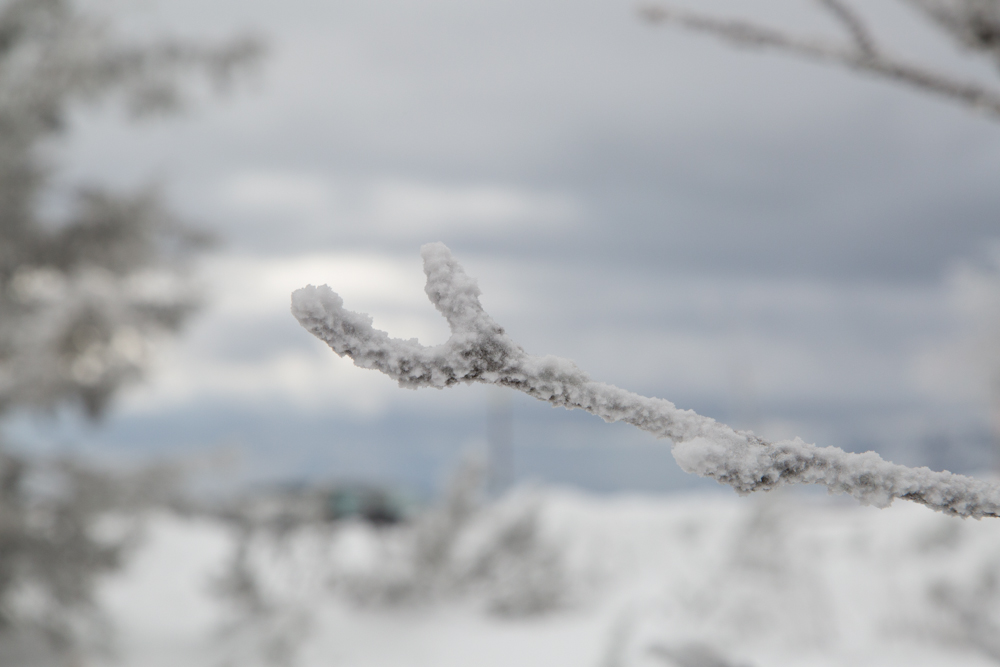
x: 551, y: 577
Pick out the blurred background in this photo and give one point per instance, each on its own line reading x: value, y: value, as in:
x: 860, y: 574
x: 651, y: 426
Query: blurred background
x: 783, y: 246
x: 789, y: 247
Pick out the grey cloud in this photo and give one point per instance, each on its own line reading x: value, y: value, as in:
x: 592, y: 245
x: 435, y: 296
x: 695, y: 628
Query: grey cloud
x: 696, y: 170
x: 683, y: 152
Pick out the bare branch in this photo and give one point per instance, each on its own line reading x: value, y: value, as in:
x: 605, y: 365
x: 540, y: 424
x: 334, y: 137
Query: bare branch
x: 480, y: 351
x: 748, y: 34
x: 853, y: 23
x: 974, y: 24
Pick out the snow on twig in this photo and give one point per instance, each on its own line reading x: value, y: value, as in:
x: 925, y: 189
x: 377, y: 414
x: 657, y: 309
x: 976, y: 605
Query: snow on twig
x: 480, y: 351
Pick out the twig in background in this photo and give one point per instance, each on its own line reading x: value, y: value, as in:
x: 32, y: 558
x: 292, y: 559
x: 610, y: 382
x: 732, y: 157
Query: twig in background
x: 971, y: 28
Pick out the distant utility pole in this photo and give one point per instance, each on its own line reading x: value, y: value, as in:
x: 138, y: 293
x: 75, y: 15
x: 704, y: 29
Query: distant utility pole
x: 995, y: 418
x: 499, y: 422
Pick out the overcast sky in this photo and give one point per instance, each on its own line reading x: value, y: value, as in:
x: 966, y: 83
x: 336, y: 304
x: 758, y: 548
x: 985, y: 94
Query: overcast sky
x: 773, y: 243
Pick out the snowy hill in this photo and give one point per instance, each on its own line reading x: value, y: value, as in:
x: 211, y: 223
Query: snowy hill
x: 549, y: 577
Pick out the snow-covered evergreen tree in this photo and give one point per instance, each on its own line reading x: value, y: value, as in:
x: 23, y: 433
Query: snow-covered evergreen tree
x: 82, y: 293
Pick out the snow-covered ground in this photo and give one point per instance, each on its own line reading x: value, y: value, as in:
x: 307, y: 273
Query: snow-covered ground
x: 552, y: 577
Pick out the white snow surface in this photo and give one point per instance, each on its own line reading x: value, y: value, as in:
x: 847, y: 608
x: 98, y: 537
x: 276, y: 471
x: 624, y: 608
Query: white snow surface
x: 480, y: 351
x: 685, y: 581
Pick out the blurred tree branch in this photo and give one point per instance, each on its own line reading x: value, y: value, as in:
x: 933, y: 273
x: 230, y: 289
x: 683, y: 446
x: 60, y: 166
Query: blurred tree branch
x: 84, y: 293
x: 973, y: 24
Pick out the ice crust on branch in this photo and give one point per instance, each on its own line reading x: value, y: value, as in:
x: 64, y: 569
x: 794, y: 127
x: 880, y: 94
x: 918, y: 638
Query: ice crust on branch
x: 480, y: 351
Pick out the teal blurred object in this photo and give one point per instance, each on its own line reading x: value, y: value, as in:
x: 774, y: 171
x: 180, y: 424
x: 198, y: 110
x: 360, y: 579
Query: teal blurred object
x: 369, y: 503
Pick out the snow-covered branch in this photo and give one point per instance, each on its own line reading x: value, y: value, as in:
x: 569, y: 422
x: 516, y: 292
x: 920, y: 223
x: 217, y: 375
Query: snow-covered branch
x: 480, y: 351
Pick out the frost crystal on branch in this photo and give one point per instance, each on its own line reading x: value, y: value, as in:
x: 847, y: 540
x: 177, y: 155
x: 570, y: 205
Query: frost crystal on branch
x: 480, y: 351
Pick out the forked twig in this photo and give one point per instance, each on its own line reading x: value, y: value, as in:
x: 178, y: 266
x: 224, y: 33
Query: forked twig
x: 853, y: 24
x: 480, y: 351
